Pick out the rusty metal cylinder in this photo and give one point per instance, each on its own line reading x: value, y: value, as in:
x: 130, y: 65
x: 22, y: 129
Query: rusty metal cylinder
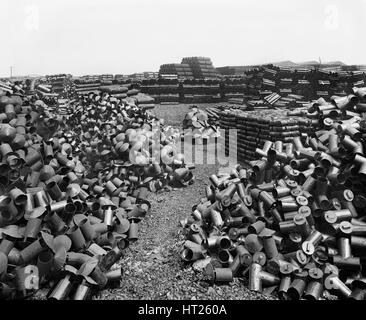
x: 77, y: 238
x: 344, y: 247
x: 256, y: 227
x: 298, y: 285
x: 216, y: 218
x: 255, y: 281
x: 223, y: 275
x: 32, y: 251
x: 32, y: 228
x: 269, y: 245
x: 62, y: 289
x: 333, y: 283
x: 284, y: 286
x: 83, y: 292
x: 313, y: 290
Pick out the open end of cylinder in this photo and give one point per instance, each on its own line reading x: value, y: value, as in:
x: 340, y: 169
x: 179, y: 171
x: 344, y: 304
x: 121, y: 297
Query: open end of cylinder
x: 224, y: 256
x: 225, y: 243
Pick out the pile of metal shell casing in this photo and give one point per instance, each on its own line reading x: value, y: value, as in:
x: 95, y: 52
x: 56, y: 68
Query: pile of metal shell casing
x: 261, y: 86
x: 200, y: 125
x: 73, y: 189
x: 161, y: 90
x: 294, y: 223
x: 180, y: 69
x: 7, y: 87
x: 233, y: 89
x: 59, y: 82
x: 201, y: 67
x: 194, y: 90
x: 255, y: 127
x: 45, y: 91
x: 104, y: 128
x: 300, y: 83
x: 200, y: 91
x: 321, y: 112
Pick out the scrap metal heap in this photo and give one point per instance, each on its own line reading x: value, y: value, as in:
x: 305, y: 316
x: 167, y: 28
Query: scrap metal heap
x: 73, y: 188
x: 287, y: 87
x: 201, y: 125
x: 292, y: 222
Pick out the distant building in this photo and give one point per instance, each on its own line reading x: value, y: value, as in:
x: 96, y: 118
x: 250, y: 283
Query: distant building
x: 168, y: 76
x: 151, y: 75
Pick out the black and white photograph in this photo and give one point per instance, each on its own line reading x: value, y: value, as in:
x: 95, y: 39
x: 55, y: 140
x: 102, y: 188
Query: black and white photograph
x: 182, y: 155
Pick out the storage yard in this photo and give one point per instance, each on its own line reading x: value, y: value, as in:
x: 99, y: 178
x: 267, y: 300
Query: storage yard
x: 86, y: 203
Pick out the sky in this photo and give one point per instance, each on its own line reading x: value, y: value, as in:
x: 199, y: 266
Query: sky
x: 127, y: 36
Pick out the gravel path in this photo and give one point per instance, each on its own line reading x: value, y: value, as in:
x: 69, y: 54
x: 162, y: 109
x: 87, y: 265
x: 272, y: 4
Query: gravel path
x: 153, y: 266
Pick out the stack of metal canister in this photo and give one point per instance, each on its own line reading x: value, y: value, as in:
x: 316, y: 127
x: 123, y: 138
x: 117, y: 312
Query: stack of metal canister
x: 255, y: 127
x: 73, y: 189
x: 294, y: 223
x: 87, y: 85
x: 299, y: 83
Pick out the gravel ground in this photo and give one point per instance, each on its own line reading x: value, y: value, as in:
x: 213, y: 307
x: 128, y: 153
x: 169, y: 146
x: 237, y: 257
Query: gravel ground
x: 153, y: 266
